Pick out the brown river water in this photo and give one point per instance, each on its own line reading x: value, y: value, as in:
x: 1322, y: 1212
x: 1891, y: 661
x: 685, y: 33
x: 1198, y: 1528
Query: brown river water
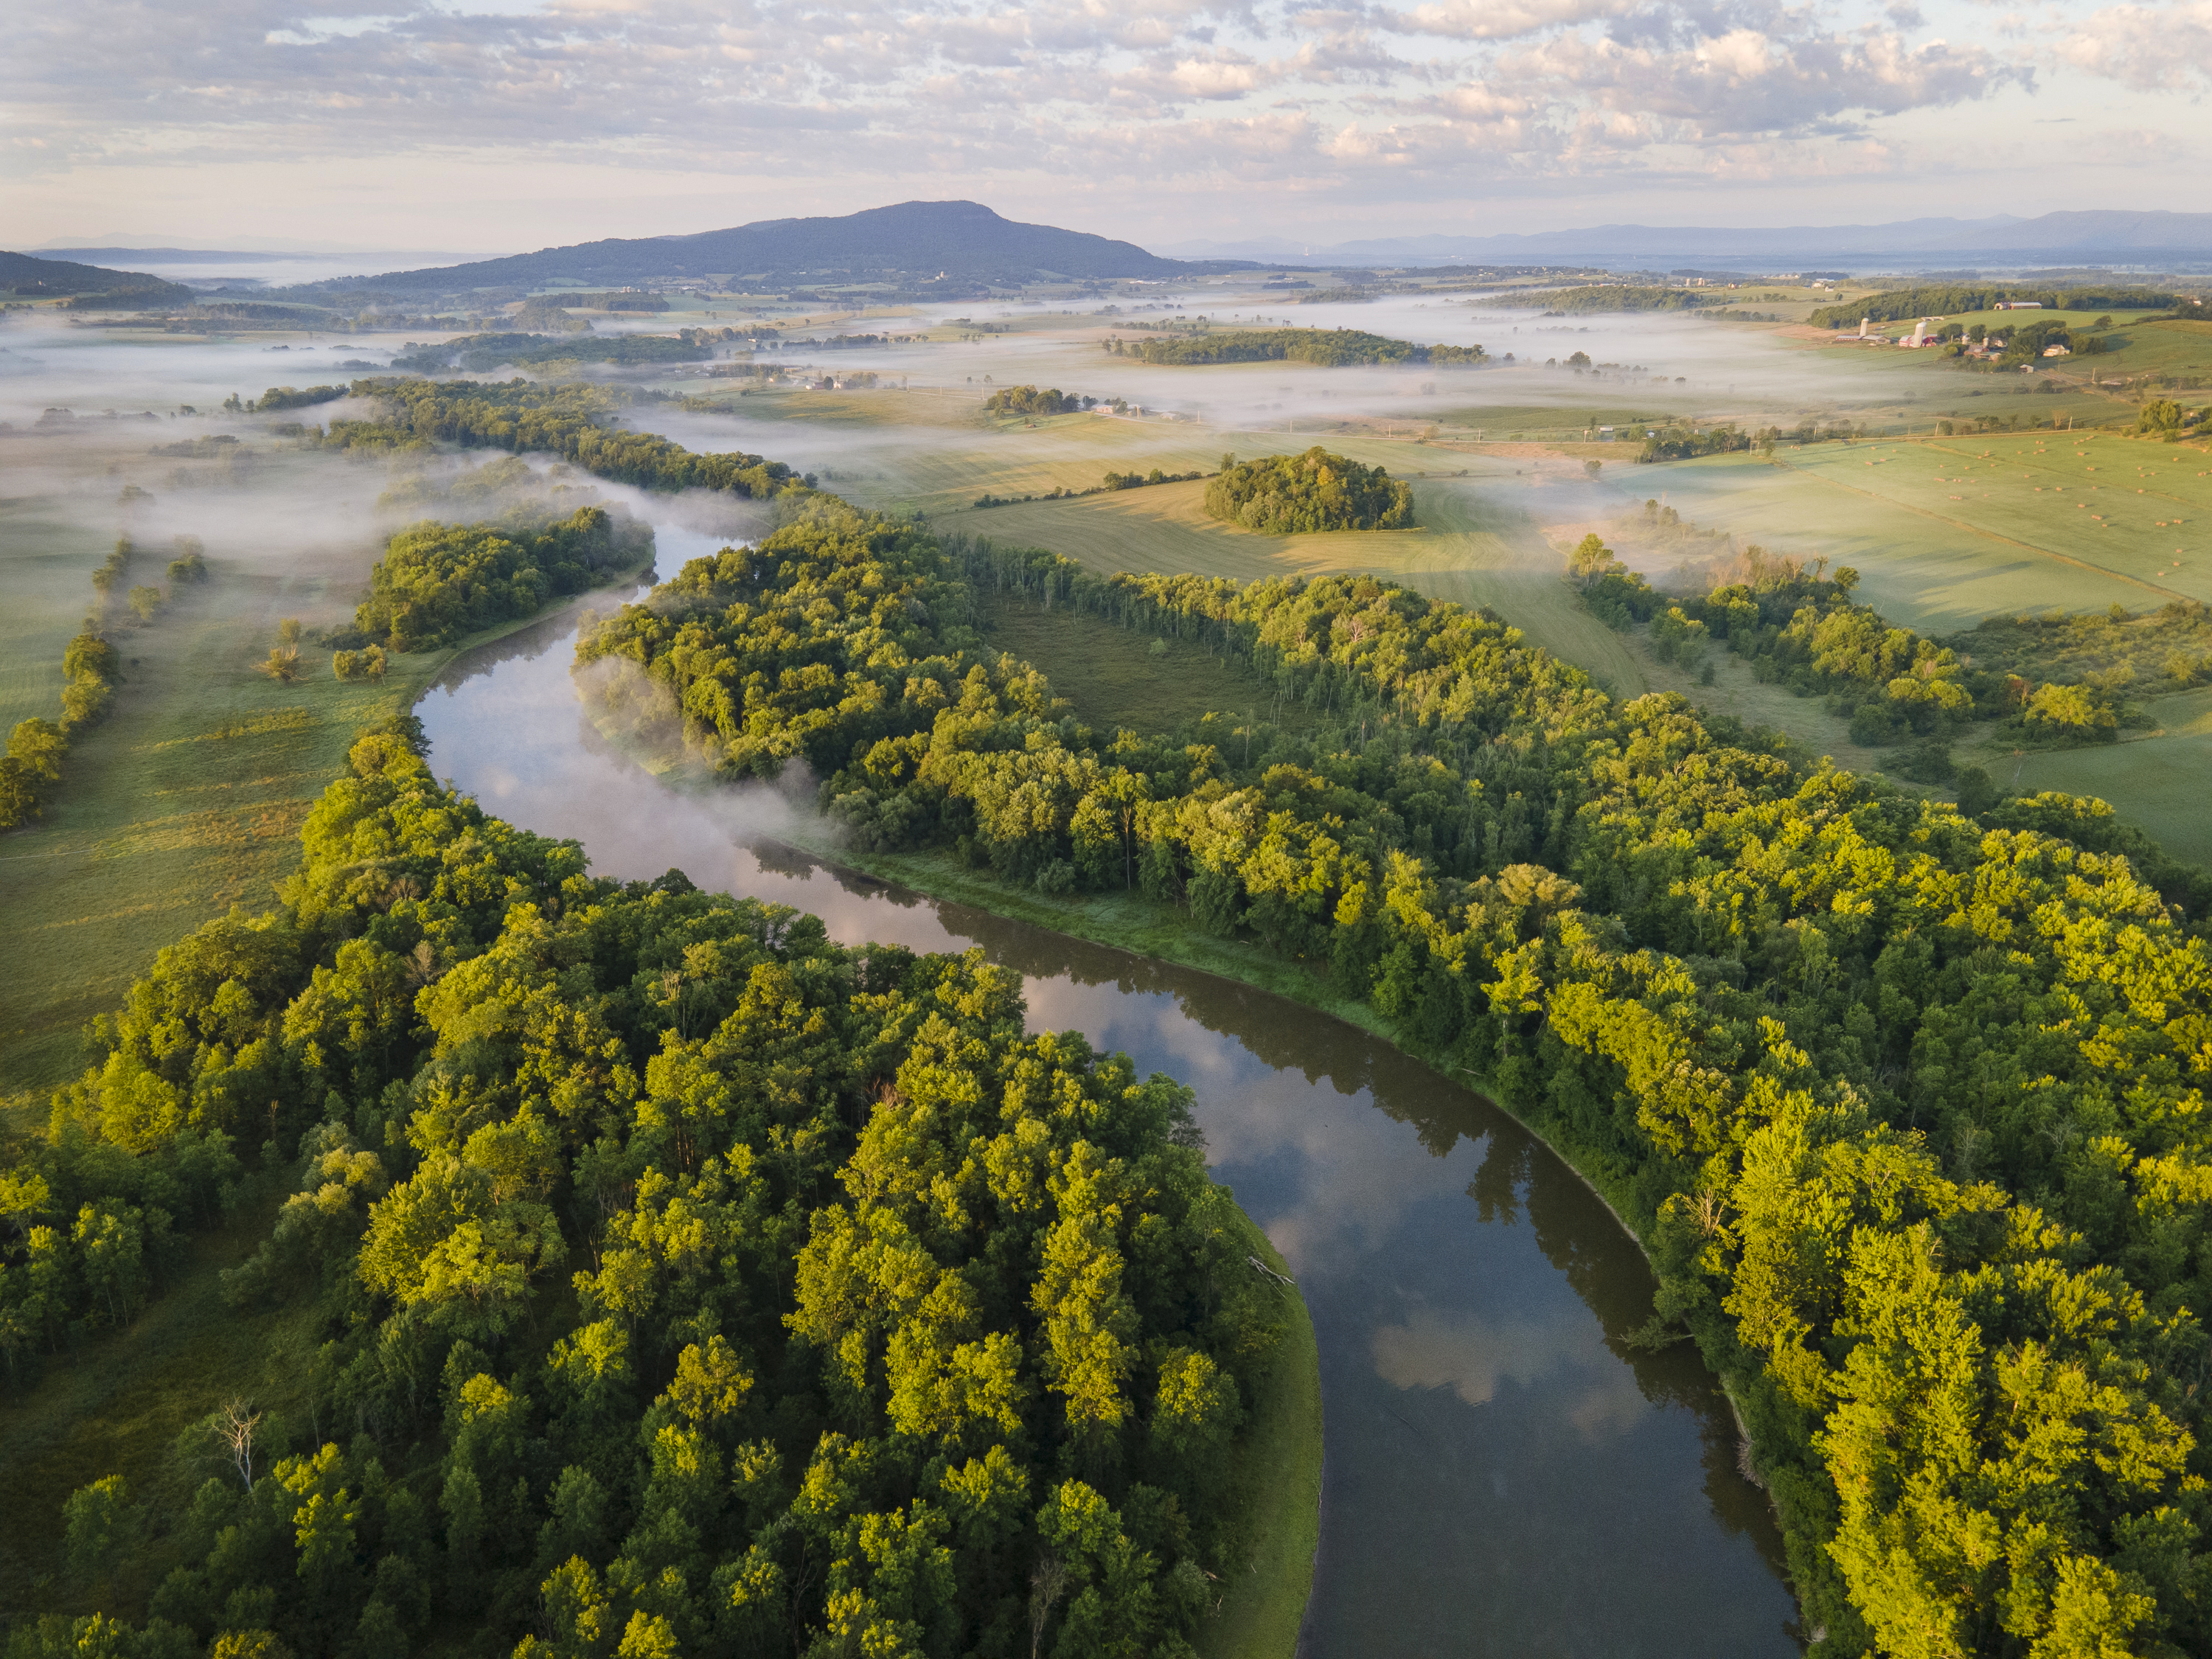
x: 1503, y: 1474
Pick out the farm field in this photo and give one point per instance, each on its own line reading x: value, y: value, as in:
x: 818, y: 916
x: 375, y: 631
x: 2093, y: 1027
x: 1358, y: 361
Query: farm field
x: 1467, y: 549
x: 2158, y: 782
x: 186, y: 800
x: 1113, y: 677
x: 1946, y: 531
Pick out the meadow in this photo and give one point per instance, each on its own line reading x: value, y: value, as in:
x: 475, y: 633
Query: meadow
x: 1947, y: 531
x: 1466, y: 548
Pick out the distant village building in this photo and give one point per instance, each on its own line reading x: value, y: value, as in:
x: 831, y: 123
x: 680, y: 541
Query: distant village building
x: 2057, y: 351
x: 2017, y: 305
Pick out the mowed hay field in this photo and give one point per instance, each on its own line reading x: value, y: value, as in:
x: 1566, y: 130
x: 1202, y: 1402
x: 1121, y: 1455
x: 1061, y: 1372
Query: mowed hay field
x: 188, y: 798
x: 1464, y: 550
x: 1117, y: 676
x: 2160, y: 781
x: 1947, y: 531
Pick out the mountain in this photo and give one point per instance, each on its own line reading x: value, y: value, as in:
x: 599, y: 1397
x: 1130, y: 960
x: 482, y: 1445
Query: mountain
x: 959, y: 243
x: 2076, y: 237
x: 27, y: 277
x: 158, y: 256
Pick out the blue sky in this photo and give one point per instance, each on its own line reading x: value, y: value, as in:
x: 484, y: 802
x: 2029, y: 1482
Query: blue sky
x: 493, y: 126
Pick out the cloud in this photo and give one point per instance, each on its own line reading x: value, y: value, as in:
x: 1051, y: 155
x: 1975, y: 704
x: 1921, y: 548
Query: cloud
x: 1474, y: 1358
x: 1146, y: 105
x: 1748, y: 80
x: 2149, y: 48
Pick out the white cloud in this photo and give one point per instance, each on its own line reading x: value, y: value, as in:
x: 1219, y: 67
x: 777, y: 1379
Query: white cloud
x: 1482, y: 20
x: 1143, y: 104
x: 2149, y: 48
x: 1474, y: 1358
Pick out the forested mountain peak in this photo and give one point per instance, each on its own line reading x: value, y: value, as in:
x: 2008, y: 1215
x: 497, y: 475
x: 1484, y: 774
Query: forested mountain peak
x: 962, y: 242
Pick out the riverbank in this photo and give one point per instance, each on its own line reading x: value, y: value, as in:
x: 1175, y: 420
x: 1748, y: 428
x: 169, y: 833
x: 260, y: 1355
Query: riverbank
x: 1144, y: 927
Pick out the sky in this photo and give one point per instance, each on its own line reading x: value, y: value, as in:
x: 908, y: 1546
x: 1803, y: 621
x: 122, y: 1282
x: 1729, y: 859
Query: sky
x: 489, y: 127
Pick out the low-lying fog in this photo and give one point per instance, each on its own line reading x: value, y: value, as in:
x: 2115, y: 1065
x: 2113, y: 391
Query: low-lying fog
x: 263, y: 501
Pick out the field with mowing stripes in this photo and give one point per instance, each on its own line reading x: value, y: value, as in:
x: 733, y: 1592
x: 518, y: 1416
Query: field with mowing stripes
x: 1947, y: 531
x: 1466, y: 550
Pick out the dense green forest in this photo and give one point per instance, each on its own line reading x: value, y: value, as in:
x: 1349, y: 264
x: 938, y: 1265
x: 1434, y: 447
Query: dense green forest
x: 1291, y: 495
x: 1327, y: 348
x: 1908, y: 1104
x: 474, y: 354
x: 1609, y: 296
x: 683, y: 1282
x: 576, y: 422
x: 439, y: 582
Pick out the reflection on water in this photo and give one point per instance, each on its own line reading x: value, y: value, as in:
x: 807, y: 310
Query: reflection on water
x: 1504, y: 1476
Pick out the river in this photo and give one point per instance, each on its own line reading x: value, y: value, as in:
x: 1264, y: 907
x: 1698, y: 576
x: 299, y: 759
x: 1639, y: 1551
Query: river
x: 1502, y: 1476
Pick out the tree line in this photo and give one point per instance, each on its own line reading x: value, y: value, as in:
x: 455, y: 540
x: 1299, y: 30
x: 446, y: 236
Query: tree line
x: 576, y: 422
x: 437, y: 583
x: 31, y: 769
x: 681, y: 1279
x: 1606, y: 296
x: 475, y: 354
x: 1906, y: 1102
x: 1799, y: 627
x: 1906, y: 305
x: 1326, y: 348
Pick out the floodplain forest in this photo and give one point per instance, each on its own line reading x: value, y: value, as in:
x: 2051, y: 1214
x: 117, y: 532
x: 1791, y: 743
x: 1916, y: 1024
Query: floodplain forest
x: 1906, y: 1103
x: 684, y: 1280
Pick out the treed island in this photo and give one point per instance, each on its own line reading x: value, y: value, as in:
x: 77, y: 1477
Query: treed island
x: 681, y: 1281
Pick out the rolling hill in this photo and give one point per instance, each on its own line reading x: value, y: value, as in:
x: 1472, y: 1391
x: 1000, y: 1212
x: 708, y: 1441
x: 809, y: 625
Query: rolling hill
x: 24, y: 277
x: 957, y: 245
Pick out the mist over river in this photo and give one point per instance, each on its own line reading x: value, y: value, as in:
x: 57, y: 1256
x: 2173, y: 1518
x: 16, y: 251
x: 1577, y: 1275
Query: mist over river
x: 1503, y: 1475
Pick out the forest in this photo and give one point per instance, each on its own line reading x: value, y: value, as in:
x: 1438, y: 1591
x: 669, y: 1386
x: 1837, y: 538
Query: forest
x: 682, y: 1281
x: 1325, y: 348
x: 437, y: 583
x: 1292, y: 494
x: 476, y: 353
x: 1907, y: 1102
x: 576, y: 422
x: 1608, y: 296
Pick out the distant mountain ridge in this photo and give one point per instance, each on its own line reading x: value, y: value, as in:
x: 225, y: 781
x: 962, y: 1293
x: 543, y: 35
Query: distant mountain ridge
x: 960, y: 244
x: 26, y: 277
x: 2075, y: 235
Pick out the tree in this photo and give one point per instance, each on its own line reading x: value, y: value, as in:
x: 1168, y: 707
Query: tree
x: 235, y: 1425
x: 100, y: 1526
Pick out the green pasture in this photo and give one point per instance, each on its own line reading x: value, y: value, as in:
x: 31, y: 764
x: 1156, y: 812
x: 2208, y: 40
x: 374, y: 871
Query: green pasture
x: 1946, y: 531
x: 1117, y: 676
x: 1466, y: 548
x: 188, y: 798
x: 2157, y: 781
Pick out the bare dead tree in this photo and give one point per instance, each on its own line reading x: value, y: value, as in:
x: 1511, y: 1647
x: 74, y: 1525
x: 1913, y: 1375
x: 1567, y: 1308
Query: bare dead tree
x: 1046, y: 1584
x: 235, y: 1426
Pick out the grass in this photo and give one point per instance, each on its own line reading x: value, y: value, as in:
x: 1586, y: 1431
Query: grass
x: 119, y: 1406
x: 188, y: 798
x: 1117, y: 677
x: 1262, y: 1610
x: 1947, y: 531
x: 1467, y: 549
x: 2156, y: 781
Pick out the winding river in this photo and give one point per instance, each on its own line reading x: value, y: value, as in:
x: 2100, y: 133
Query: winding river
x: 1503, y: 1475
